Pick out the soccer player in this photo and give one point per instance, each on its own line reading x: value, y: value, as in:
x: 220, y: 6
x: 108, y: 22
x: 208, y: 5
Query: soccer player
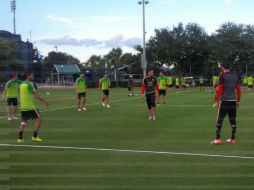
x: 104, y: 85
x: 177, y: 83
x: 183, y: 81
x: 170, y: 82
x: 150, y: 89
x: 28, y: 94
x: 162, y: 82
x: 250, y: 84
x: 10, y: 94
x: 214, y: 83
x: 245, y: 81
x: 130, y: 86
x: 81, y: 91
x: 228, y: 96
x: 201, y: 83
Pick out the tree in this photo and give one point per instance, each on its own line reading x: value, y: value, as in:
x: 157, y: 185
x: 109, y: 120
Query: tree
x: 182, y: 47
x: 7, y: 52
x: 59, y: 58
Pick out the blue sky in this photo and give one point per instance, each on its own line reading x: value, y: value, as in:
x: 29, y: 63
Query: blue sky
x: 86, y: 27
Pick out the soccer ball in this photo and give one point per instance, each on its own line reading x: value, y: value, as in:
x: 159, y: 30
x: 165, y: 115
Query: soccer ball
x: 48, y: 93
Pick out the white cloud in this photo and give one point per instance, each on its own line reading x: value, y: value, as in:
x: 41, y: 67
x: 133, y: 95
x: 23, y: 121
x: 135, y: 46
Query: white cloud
x: 60, y: 19
x: 228, y: 1
x: 116, y: 41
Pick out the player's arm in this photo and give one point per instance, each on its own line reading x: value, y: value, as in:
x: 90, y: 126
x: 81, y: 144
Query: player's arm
x: 239, y: 94
x: 38, y: 97
x: 4, y: 92
x: 109, y: 83
x: 157, y: 87
x: 100, y: 84
x: 143, y: 88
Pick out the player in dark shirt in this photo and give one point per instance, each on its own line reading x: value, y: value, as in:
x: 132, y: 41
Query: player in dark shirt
x: 150, y: 89
x: 130, y: 86
x: 228, y: 96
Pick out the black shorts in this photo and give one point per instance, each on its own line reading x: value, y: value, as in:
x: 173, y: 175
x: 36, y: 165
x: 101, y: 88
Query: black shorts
x: 30, y: 115
x: 81, y: 95
x: 170, y: 86
x: 105, y: 92
x: 227, y: 108
x: 184, y: 85
x: 130, y: 88
x: 177, y: 86
x: 250, y: 86
x: 150, y: 100
x: 162, y: 92
x: 12, y: 101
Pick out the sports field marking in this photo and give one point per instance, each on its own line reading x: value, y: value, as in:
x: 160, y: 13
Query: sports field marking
x: 69, y: 107
x: 128, y: 151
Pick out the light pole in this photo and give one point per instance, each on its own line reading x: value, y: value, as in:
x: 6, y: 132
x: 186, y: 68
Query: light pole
x: 13, y: 9
x: 144, y: 61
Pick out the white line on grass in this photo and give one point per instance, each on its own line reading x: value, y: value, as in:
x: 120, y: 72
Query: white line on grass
x: 128, y: 151
x: 70, y: 107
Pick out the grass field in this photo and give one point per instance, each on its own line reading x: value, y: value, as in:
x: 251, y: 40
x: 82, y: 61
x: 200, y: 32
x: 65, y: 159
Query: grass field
x: 185, y: 125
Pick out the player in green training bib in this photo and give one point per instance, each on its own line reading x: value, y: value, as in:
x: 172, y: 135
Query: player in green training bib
x: 10, y: 94
x: 177, y: 84
x: 250, y: 84
x: 29, y: 111
x: 104, y: 85
x: 170, y: 82
x: 81, y: 91
x: 201, y: 83
x: 162, y: 82
x: 183, y: 82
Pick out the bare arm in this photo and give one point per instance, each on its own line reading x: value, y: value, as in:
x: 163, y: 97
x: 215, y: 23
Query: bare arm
x: 4, y: 94
x: 38, y: 97
x: 99, y: 84
x: 109, y: 84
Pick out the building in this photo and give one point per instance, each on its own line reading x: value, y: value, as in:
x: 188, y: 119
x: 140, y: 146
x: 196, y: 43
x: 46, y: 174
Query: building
x: 64, y: 74
x: 24, y: 53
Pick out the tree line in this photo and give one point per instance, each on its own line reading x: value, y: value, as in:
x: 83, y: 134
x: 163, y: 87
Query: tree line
x: 182, y: 50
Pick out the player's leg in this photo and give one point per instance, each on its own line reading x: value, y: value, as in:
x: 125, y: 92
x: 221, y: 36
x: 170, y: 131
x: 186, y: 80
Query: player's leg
x: 159, y: 98
x: 149, y: 106
x: 84, y: 102
x: 107, y: 99
x: 164, y: 95
x: 78, y: 101
x: 8, y: 109
x: 36, y: 115
x: 153, y: 105
x: 222, y: 112
x: 103, y: 98
x: 15, y: 108
x: 24, y: 118
x: 232, y: 119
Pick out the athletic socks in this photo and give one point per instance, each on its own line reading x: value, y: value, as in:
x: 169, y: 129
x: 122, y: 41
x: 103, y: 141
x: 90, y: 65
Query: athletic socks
x: 218, y: 132
x: 233, y: 132
x: 21, y: 135
x: 36, y: 131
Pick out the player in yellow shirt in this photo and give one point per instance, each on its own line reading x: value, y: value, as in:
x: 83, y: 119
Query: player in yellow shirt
x: 104, y: 85
x: 29, y: 111
x: 162, y: 82
x: 81, y: 91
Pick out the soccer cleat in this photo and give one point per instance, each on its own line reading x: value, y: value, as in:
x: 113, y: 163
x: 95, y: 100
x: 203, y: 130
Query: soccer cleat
x: 103, y: 104
x: 154, y: 118
x: 84, y: 109
x: 108, y: 106
x: 37, y: 139
x: 79, y: 110
x: 150, y: 117
x: 216, y: 142
x: 232, y: 141
x: 20, y: 141
x: 9, y: 118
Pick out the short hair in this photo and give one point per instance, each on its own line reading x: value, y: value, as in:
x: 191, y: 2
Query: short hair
x: 28, y: 73
x: 12, y: 75
x: 226, y: 65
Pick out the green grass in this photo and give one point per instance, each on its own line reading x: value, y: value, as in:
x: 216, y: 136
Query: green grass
x: 186, y: 124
